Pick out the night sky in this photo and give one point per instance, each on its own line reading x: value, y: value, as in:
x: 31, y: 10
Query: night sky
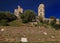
x: 52, y: 7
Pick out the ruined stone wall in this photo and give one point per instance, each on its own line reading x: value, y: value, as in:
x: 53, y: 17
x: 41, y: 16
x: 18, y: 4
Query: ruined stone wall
x: 18, y: 11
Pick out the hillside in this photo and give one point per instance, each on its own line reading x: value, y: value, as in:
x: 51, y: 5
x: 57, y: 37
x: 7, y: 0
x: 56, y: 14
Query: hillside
x: 33, y: 34
x: 12, y: 29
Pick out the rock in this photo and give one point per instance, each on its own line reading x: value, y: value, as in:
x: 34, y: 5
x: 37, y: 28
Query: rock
x: 45, y: 33
x: 35, y: 23
x: 39, y: 27
x: 2, y: 29
x: 24, y: 39
x: 6, y: 39
x: 52, y: 37
x: 39, y: 39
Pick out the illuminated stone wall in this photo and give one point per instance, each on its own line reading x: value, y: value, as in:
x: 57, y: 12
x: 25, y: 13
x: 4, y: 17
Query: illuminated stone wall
x: 18, y: 11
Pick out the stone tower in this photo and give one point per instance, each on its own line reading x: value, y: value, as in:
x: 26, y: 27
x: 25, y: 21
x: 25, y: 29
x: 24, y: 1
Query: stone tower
x: 57, y: 21
x: 18, y: 11
x: 41, y: 11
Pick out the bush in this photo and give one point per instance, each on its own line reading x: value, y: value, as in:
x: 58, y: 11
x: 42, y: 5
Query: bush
x: 40, y: 19
x: 28, y: 16
x: 46, y: 22
x: 52, y: 23
x: 6, y: 17
x: 3, y: 22
x: 57, y: 26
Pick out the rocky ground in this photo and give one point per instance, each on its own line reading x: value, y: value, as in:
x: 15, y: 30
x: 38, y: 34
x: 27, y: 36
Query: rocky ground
x: 33, y: 34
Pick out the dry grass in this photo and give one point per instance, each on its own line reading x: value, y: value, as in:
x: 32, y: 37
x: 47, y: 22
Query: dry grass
x: 33, y: 34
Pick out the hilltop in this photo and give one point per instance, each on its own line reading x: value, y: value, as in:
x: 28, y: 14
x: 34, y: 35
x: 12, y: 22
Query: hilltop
x: 28, y: 25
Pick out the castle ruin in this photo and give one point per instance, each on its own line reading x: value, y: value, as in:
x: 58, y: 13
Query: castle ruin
x: 18, y: 11
x: 41, y: 13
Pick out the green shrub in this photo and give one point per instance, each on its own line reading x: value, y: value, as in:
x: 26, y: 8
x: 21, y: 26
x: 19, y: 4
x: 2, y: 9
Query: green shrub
x: 57, y: 26
x: 6, y: 17
x: 28, y: 16
x: 3, y: 22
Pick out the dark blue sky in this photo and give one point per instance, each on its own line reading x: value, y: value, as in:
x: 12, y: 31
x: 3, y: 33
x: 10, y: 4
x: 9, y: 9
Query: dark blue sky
x: 52, y: 7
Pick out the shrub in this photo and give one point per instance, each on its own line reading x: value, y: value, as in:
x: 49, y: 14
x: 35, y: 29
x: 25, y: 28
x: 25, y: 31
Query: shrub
x: 28, y: 16
x: 3, y: 22
x: 40, y: 19
x: 57, y: 26
x: 6, y: 17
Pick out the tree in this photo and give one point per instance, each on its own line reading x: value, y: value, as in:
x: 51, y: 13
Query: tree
x: 28, y: 16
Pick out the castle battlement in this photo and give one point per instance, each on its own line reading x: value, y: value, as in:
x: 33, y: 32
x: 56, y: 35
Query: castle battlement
x: 18, y: 11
